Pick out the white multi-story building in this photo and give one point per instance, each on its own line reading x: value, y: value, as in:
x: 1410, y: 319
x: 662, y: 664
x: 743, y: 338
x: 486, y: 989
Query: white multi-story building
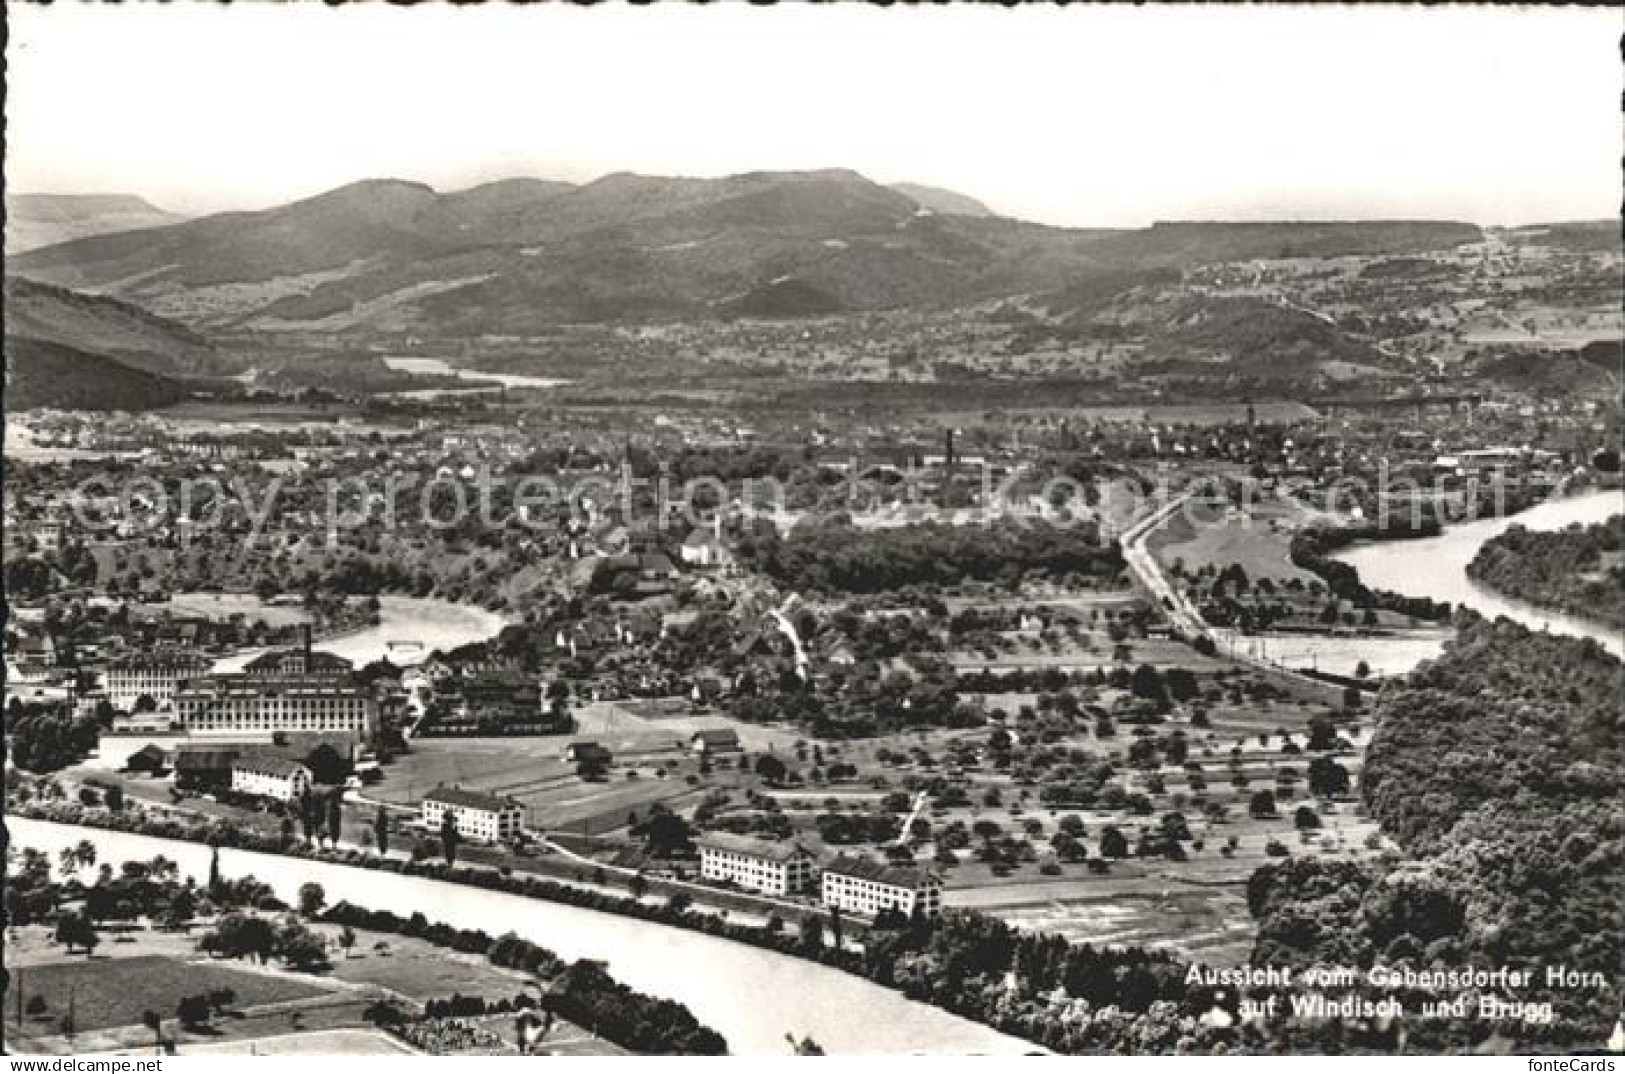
x: 861, y: 886
x: 485, y: 817
x: 772, y: 868
x: 156, y: 676
x: 237, y: 704
x: 270, y: 777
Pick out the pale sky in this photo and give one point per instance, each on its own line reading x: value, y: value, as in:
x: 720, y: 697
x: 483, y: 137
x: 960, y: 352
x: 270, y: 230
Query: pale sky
x: 1079, y: 116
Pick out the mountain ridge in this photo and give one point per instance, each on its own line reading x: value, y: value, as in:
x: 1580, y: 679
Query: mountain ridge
x: 37, y: 220
x: 937, y: 200
x: 518, y: 255
x: 99, y: 324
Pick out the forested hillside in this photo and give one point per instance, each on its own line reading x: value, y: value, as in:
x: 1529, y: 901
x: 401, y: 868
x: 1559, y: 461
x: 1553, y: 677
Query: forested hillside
x: 1496, y: 768
x: 106, y: 326
x: 44, y: 374
x: 1575, y: 570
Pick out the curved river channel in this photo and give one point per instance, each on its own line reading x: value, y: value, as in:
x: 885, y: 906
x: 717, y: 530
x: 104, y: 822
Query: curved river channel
x: 408, y: 630
x: 751, y: 996
x: 1437, y: 566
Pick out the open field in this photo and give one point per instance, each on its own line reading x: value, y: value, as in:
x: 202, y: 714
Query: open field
x: 533, y: 771
x: 275, y: 1012
x: 1197, y: 906
x: 1388, y: 653
x: 1078, y: 603
x: 1212, y: 925
x: 486, y: 764
x: 635, y: 726
x: 226, y: 605
x: 417, y: 969
x: 1259, y: 545
x: 240, y: 1030
x: 595, y: 808
x: 108, y: 993
x: 333, y: 1042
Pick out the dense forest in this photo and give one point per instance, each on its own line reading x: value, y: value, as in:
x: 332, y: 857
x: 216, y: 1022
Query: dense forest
x: 1575, y: 570
x: 47, y: 374
x: 837, y: 557
x: 1496, y: 769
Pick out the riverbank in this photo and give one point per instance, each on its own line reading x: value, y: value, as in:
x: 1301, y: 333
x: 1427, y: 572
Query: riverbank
x: 1574, y: 571
x: 172, y: 940
x: 720, y: 970
x: 1436, y: 567
x: 407, y: 631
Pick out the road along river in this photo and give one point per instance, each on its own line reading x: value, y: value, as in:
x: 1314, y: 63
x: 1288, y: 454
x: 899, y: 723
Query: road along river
x: 1437, y: 566
x: 751, y: 996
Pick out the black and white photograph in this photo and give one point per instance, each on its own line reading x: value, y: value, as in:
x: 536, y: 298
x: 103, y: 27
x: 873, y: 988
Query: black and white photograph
x: 952, y: 530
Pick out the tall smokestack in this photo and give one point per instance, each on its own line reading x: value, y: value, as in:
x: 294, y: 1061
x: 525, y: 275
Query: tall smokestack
x: 304, y: 644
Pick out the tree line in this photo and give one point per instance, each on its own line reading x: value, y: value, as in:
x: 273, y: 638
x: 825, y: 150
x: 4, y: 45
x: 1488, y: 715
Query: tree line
x: 1496, y: 769
x: 835, y: 556
x: 1574, y: 570
x: 1311, y: 549
x: 580, y: 992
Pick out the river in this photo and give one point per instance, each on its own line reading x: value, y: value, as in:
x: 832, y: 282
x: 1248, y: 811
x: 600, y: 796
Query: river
x: 409, y: 629
x: 439, y: 367
x: 1437, y: 566
x: 751, y: 996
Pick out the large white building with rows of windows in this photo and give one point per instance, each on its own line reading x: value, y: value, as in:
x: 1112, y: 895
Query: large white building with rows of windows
x: 238, y: 704
x: 861, y: 886
x: 484, y: 817
x: 772, y: 868
x: 156, y: 675
x: 270, y: 777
